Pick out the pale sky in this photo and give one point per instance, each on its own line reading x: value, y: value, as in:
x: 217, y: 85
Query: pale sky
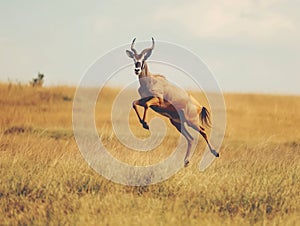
x: 250, y: 45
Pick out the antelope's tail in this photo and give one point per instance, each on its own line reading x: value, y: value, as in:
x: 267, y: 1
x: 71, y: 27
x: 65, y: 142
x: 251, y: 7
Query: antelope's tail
x: 205, y: 117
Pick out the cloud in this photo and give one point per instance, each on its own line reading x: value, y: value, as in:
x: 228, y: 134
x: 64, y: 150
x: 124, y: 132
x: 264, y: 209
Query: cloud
x: 228, y: 18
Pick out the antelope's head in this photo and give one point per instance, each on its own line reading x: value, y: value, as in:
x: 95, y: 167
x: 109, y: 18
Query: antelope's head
x: 139, y: 59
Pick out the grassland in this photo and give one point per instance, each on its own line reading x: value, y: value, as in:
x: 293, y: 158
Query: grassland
x: 45, y: 181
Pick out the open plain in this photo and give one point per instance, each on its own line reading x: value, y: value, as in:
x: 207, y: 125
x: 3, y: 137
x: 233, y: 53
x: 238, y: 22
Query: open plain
x: 45, y: 181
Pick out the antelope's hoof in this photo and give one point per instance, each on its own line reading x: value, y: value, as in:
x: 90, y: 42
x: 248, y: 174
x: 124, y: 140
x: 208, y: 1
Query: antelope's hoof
x: 186, y: 163
x: 215, y: 153
x: 145, y: 125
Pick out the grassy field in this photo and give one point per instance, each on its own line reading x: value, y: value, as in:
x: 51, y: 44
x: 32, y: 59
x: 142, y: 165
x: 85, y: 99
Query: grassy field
x: 45, y: 181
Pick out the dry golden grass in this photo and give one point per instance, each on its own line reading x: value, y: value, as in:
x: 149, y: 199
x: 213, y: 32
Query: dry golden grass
x: 45, y: 181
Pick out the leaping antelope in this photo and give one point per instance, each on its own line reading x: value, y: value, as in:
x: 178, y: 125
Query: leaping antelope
x: 167, y: 99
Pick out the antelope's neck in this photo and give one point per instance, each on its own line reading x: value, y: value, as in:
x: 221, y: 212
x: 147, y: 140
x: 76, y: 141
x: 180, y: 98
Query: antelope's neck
x: 145, y: 72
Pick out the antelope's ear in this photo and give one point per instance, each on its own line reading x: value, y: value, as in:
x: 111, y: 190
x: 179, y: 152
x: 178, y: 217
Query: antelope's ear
x: 129, y: 54
x: 148, y: 54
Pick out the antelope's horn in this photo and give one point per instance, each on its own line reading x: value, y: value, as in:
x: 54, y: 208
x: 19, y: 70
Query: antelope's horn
x: 132, y: 46
x: 151, y: 48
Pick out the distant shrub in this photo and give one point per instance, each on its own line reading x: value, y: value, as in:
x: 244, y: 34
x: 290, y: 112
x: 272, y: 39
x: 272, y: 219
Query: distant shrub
x: 38, y: 82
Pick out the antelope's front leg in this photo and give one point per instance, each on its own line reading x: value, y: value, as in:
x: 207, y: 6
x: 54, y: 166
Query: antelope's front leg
x: 134, y: 104
x: 146, y: 103
x: 142, y: 103
x: 154, y: 101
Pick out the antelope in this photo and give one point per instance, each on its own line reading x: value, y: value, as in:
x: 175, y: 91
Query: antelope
x: 168, y: 100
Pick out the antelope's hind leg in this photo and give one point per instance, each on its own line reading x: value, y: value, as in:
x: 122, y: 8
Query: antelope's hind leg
x: 181, y: 128
x: 203, y: 133
x: 213, y: 151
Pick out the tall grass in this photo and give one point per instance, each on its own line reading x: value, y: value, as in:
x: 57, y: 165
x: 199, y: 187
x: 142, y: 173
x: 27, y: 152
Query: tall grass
x: 45, y: 181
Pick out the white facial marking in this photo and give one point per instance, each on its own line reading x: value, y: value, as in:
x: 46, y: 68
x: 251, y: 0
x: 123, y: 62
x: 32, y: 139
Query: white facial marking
x: 138, y: 64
